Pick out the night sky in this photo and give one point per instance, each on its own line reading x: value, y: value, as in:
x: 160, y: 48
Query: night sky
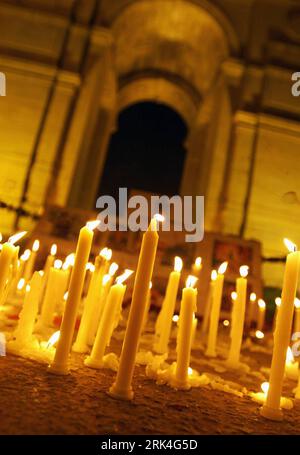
x: 146, y: 152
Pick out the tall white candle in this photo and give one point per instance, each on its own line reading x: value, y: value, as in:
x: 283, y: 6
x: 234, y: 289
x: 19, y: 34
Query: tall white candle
x: 208, y: 303
x: 271, y: 408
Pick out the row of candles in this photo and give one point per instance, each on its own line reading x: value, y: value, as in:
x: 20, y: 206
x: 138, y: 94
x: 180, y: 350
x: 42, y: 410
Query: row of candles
x: 99, y: 320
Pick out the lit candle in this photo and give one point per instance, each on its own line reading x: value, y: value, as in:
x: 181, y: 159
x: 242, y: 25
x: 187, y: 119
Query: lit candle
x: 50, y: 260
x: 122, y: 387
x: 215, y: 311
x: 106, y: 284
x: 271, y: 409
x: 197, y: 266
x: 291, y: 367
x: 209, y: 300
x: 60, y: 362
x: 238, y: 319
x: 24, y: 330
x: 277, y: 305
x: 297, y: 316
x: 164, y: 323
x: 6, y: 257
x: 92, y: 299
x: 108, y: 321
x: 261, y: 314
x: 185, y: 331
x: 233, y: 313
x: 250, y: 313
x: 55, y: 289
x: 31, y: 261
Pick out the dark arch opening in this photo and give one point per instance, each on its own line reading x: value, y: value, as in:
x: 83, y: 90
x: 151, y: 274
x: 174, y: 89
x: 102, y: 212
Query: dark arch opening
x: 146, y: 152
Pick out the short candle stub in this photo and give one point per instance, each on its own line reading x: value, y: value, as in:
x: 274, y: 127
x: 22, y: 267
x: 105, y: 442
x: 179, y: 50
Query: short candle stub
x: 271, y: 413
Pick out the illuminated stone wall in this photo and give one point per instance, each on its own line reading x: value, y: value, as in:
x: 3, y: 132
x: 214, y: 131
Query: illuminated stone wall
x: 225, y: 66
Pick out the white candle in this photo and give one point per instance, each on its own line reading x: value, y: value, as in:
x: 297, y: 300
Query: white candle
x: 215, y: 312
x: 209, y: 300
x: 238, y: 319
x: 271, y: 409
x: 250, y: 313
x: 60, y: 362
x: 164, y: 323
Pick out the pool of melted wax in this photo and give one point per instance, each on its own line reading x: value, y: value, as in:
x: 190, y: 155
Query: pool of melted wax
x: 32, y: 401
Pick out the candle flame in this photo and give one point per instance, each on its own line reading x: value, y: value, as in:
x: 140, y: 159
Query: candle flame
x: 252, y: 297
x: 191, y: 281
x: 226, y: 322
x: 26, y: 255
x: 66, y: 294
x: 93, y: 224
x: 58, y: 264
x: 1, y: 237
x: 113, y: 268
x: 53, y: 339
x: 290, y: 245
x: 178, y: 264
x: 223, y: 267
x: 265, y: 387
x: 297, y: 303
x: 35, y: 246
x: 159, y: 217
x: 261, y: 303
x: 289, y: 356
x: 21, y: 284
x: 198, y: 262
x: 120, y: 279
x: 90, y: 267
x: 175, y: 318
x: 150, y: 285
x: 105, y: 279
x: 153, y: 226
x: 41, y: 272
x: 53, y: 250
x: 278, y: 301
x: 190, y: 371
x: 27, y: 287
x: 234, y: 295
x: 106, y: 253
x: 15, y: 238
x: 69, y: 261
x: 244, y: 270
x: 259, y: 334
x: 213, y: 275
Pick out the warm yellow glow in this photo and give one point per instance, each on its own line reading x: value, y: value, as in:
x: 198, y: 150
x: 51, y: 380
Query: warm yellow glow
x: 90, y: 267
x: 223, y: 267
x: 244, y: 270
x: 113, y: 268
x: 21, y: 284
x: 120, y: 279
x: 259, y: 334
x: 41, y: 272
x: 159, y: 217
x: 261, y: 303
x: 58, y: 264
x: 297, y: 303
x: 265, y: 387
x: 278, y: 301
x: 175, y: 318
x: 226, y: 322
x: 66, y: 294
x: 233, y: 295
x: 1, y: 237
x: 27, y: 288
x: 1, y: 246
x: 190, y: 371
x: 198, y: 262
x: 15, y: 238
x: 93, y: 224
x: 69, y: 261
x: 106, y: 253
x: 178, y: 264
x: 36, y: 245
x: 289, y: 356
x: 26, y: 255
x: 252, y: 297
x: 53, y: 250
x: 105, y: 279
x: 290, y: 245
x: 53, y: 339
x: 191, y: 281
x: 150, y: 285
x: 213, y: 275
